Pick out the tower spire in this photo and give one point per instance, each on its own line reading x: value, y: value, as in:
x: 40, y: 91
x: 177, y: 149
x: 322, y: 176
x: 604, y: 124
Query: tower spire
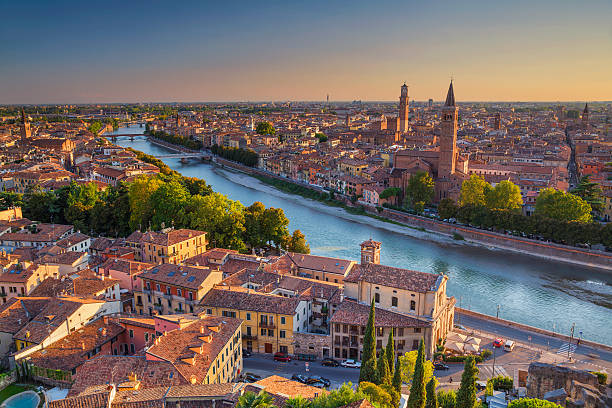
x: 450, y: 96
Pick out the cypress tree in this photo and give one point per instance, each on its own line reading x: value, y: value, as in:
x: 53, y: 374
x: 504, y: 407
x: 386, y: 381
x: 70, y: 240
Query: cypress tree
x: 397, y: 377
x: 383, y: 374
x: 466, y: 395
x: 390, y: 352
x: 417, y: 390
x: 432, y: 398
x: 368, y: 355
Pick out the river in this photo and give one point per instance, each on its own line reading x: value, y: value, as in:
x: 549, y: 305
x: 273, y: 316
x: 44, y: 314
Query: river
x: 529, y: 290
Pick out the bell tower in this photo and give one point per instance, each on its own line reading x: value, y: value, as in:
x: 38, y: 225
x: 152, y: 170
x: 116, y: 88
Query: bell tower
x: 448, y: 136
x: 585, y: 116
x: 403, y: 109
x: 370, y: 252
x: 26, y: 132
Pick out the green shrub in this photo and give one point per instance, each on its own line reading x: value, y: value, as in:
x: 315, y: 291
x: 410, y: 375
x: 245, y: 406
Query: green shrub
x: 532, y: 403
x: 461, y: 359
x: 602, y: 378
x: 502, y: 383
x: 486, y: 353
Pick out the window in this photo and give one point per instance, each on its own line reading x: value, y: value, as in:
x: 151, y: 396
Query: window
x: 179, y: 292
x: 400, y: 331
x: 131, y: 334
x: 394, y: 301
x: 263, y: 332
x: 282, y: 319
x: 157, y: 287
x: 417, y: 330
x: 248, y: 316
x: 412, y: 305
x: 132, y: 348
x: 209, y: 311
x: 146, y: 337
x: 281, y: 334
x: 377, y: 298
x: 270, y: 333
x: 190, y: 295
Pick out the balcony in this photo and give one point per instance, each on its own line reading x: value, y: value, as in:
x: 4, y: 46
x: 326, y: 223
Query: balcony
x: 267, y: 325
x: 249, y: 337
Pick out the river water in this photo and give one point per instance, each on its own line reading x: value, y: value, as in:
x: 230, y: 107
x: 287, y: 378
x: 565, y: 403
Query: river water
x: 541, y: 293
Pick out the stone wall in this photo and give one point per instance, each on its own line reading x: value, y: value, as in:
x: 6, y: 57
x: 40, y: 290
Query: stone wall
x: 311, y: 343
x: 543, y: 378
x: 7, y: 380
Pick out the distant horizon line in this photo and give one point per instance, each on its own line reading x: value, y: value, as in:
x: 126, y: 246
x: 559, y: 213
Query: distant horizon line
x: 323, y: 102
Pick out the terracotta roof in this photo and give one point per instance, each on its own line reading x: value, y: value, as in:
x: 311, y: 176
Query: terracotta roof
x: 177, y: 346
x: 394, y: 277
x: 76, y: 348
x: 275, y: 384
x: 185, y: 276
x: 164, y: 238
x: 247, y: 300
x: 17, y: 312
x: 124, y: 265
x: 352, y: 312
x: 99, y: 400
x: 52, y: 287
x: 86, y: 283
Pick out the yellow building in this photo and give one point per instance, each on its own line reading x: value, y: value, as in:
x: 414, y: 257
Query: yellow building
x: 268, y: 320
x: 168, y: 246
x: 352, y: 167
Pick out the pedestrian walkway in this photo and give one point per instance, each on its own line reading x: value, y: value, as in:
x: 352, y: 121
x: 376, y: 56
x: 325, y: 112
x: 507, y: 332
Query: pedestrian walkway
x: 487, y: 370
x: 565, y: 347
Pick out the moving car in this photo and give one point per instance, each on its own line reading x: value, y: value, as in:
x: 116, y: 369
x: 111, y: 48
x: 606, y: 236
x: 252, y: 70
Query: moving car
x: 281, y: 357
x: 509, y: 345
x: 499, y: 342
x: 313, y: 379
x: 440, y: 366
x: 250, y: 377
x: 351, y: 363
x: 330, y: 362
x: 299, y: 378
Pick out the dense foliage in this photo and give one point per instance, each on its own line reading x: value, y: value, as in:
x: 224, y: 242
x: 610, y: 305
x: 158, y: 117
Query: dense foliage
x: 417, y: 398
x: 265, y: 128
x: 562, y: 206
x: 176, y: 139
x: 156, y: 202
x: 245, y: 156
x: 466, y: 395
x: 532, y: 403
x: 420, y: 190
x: 368, y: 372
x: 590, y: 192
x: 501, y: 383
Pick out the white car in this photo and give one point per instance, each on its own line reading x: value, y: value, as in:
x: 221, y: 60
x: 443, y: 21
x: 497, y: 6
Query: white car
x: 351, y: 363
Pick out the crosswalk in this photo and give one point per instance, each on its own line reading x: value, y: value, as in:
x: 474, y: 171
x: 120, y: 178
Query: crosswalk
x: 487, y: 370
x: 565, y: 347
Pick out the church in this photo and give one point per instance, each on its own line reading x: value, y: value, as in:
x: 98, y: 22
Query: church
x: 444, y: 163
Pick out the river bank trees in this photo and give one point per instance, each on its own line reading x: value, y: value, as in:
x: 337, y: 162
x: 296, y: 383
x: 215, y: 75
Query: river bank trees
x: 155, y: 202
x: 245, y: 156
x: 175, y: 139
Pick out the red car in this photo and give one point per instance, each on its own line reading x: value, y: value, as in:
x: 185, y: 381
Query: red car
x: 499, y: 342
x: 281, y: 357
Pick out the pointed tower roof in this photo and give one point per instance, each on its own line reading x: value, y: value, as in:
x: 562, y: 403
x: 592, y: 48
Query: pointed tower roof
x: 586, y: 108
x: 450, y: 96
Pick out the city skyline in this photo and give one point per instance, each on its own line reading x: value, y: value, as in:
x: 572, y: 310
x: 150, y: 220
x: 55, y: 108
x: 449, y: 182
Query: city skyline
x: 113, y: 52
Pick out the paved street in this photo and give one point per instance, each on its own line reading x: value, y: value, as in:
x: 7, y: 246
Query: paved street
x: 264, y: 365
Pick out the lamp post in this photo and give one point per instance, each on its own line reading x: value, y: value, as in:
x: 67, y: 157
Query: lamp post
x: 494, y: 349
x: 569, y: 346
x: 497, y: 316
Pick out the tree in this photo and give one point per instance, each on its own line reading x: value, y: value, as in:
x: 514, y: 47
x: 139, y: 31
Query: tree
x: 561, y: 206
x: 265, y: 128
x: 466, y: 395
x: 447, y: 399
x: 420, y: 188
x: 504, y: 196
x: 396, y: 382
x: 390, y: 352
x: 590, y: 192
x: 447, y: 209
x: 253, y: 234
x: 344, y: 395
x: 274, y: 226
x: 221, y: 217
x: 376, y: 394
x: 383, y: 374
x: 532, y: 403
x: 368, y: 356
x: 417, y: 389
x: 322, y: 137
x: 473, y: 191
x: 297, y: 243
x: 390, y: 192
x: 168, y: 203
x: 430, y: 391
x: 297, y: 402
x: 408, y: 364
x: 251, y: 400
x: 141, y: 210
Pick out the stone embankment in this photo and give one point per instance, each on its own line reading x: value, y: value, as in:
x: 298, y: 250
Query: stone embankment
x: 548, y: 250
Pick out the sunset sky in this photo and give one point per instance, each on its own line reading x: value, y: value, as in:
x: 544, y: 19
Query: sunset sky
x: 129, y: 51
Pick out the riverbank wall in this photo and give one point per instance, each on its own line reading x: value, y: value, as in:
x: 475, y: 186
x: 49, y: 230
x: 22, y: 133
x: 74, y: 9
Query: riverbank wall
x: 521, y: 326
x: 547, y: 250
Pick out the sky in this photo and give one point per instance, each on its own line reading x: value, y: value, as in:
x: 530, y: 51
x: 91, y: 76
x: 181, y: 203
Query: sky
x: 165, y: 51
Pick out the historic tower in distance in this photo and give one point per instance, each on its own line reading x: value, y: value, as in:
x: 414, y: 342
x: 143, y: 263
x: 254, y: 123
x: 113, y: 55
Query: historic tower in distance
x: 448, y: 136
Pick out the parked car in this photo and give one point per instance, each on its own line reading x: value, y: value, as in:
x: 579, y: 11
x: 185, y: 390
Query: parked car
x: 250, y: 377
x: 246, y: 353
x: 299, y: 378
x: 318, y: 379
x: 330, y: 362
x: 499, y: 342
x: 440, y: 366
x: 509, y: 346
x: 317, y: 384
x: 281, y: 357
x: 351, y: 363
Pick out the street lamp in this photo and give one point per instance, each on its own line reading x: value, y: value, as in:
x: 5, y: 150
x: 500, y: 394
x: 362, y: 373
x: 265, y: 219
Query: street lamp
x: 494, y: 349
x: 497, y: 316
x: 569, y: 346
